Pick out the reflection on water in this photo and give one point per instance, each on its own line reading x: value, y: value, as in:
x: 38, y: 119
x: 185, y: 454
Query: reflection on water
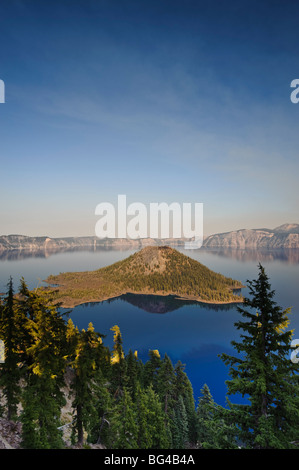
x: 154, y: 303
x: 290, y: 255
x: 165, y: 304
x: 15, y: 255
x: 160, y: 304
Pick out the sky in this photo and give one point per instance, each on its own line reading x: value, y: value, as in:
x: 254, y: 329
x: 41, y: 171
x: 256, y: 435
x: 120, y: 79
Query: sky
x: 158, y: 100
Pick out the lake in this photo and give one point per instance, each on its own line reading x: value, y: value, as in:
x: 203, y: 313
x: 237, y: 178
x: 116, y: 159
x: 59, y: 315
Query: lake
x: 191, y: 332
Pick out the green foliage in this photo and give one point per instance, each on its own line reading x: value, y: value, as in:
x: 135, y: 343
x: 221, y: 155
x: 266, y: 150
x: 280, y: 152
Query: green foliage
x: 86, y: 358
x: 166, y: 385
x: 118, y: 363
x: 144, y: 436
x: 151, y: 369
x: 43, y: 367
x: 179, y: 424
x: 213, y: 432
x: 9, y: 370
x: 133, y: 372
x: 122, y: 403
x: 263, y: 372
x: 42, y: 402
x: 123, y: 423
x: 156, y: 420
x: 183, y: 389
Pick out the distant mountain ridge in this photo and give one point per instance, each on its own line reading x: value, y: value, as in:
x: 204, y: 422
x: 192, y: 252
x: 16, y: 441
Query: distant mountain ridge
x: 47, y: 244
x: 283, y: 237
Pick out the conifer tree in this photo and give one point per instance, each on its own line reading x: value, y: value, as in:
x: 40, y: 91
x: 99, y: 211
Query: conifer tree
x: 160, y: 436
x: 263, y: 372
x: 179, y: 425
x: 43, y: 397
x: 9, y: 370
x: 213, y: 432
x: 85, y: 364
x: 133, y: 372
x: 144, y: 437
x: 124, y: 426
x: 166, y: 384
x: 118, y: 363
x: 151, y: 369
x: 72, y: 337
x: 42, y: 402
x: 184, y: 389
x: 100, y: 421
x: 205, y: 415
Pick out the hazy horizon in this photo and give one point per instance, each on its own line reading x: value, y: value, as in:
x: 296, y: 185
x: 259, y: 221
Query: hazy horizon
x: 163, y: 101
x: 93, y: 235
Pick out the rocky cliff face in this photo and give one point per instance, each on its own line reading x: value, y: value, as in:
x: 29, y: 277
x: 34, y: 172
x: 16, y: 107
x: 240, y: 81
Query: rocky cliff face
x: 283, y: 237
x: 33, y: 244
x: 51, y: 245
x: 10, y: 434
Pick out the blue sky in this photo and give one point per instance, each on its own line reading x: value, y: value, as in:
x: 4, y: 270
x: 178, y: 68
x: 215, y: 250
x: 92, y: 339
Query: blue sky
x: 185, y: 101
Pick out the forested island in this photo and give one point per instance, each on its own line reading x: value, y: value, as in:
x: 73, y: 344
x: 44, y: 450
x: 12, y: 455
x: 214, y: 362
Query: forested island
x: 159, y: 270
x: 61, y: 387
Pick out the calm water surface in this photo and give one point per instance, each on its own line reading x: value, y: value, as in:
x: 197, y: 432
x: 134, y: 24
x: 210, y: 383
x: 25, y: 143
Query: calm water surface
x: 193, y: 333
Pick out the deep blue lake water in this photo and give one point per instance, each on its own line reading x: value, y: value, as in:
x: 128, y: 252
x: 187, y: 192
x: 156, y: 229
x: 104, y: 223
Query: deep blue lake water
x: 193, y: 333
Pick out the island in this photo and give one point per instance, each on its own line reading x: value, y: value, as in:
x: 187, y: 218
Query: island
x: 157, y: 270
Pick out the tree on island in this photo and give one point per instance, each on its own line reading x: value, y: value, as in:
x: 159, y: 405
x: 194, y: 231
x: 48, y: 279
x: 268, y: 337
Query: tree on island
x: 264, y: 373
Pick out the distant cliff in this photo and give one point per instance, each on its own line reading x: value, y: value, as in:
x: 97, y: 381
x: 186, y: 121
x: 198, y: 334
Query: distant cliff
x: 53, y: 245
x: 283, y: 237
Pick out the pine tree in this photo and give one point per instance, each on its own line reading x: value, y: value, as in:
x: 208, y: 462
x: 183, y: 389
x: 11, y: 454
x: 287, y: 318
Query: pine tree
x: 43, y: 397
x: 184, y: 389
x: 166, y: 384
x: 42, y: 402
x: 263, y: 372
x: 27, y: 306
x: 118, y: 363
x: 85, y: 364
x: 214, y: 430
x: 10, y: 371
x: 72, y: 338
x: 100, y: 426
x: 205, y: 415
x: 133, y: 372
x: 144, y: 437
x: 124, y: 426
x: 158, y: 431
x: 179, y: 426
x: 151, y: 370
